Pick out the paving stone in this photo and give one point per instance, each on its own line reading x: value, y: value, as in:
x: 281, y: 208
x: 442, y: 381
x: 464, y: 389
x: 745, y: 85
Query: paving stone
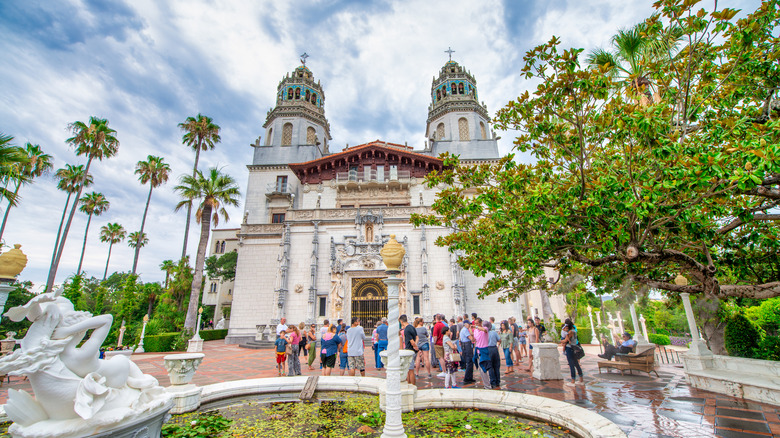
x: 680, y: 416
x: 698, y: 400
x: 731, y: 423
x: 735, y: 434
x: 682, y: 406
x: 738, y: 413
x: 734, y: 403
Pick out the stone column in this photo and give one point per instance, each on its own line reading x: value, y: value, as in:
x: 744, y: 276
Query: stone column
x: 392, y: 255
x: 640, y: 339
x: 698, y: 347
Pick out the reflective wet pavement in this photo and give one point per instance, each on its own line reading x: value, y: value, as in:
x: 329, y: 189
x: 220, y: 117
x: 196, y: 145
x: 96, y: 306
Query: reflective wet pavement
x: 642, y: 406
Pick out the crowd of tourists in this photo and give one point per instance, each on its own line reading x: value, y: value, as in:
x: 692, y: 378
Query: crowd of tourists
x: 465, y: 344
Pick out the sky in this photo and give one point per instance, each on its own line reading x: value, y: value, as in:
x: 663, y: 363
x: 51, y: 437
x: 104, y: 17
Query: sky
x: 147, y: 65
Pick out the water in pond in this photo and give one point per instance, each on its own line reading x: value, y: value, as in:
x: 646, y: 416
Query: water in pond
x: 340, y: 415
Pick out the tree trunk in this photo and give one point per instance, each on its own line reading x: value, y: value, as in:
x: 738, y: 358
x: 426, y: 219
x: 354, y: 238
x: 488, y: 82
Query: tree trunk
x: 197, y: 278
x: 84, y: 245
x: 5, y: 216
x: 167, y: 278
x: 53, y: 269
x: 141, y: 234
x: 59, y: 235
x: 105, y: 273
x: 707, y: 310
x: 189, y: 207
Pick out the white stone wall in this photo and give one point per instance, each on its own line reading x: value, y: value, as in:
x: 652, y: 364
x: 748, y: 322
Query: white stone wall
x: 299, y: 126
x: 451, y: 132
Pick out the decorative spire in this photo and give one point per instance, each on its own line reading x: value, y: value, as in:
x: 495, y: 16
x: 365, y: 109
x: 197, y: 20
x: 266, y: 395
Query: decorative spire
x: 450, y: 52
x: 303, y: 58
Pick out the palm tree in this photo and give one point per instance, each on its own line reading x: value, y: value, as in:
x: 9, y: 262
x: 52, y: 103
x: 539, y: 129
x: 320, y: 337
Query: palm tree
x: 36, y: 164
x: 201, y: 133
x: 137, y: 239
x: 12, y: 158
x: 154, y: 171
x: 92, y: 204
x: 72, y: 179
x: 214, y: 191
x: 111, y: 233
x: 97, y: 141
x: 168, y: 266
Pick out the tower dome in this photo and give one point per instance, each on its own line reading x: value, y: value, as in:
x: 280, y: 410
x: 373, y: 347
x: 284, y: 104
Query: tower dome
x: 298, y: 119
x: 457, y: 121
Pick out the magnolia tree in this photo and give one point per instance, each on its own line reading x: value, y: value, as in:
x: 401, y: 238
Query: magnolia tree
x: 672, y: 167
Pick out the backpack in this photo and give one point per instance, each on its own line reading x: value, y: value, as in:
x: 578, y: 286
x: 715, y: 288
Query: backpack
x: 345, y: 347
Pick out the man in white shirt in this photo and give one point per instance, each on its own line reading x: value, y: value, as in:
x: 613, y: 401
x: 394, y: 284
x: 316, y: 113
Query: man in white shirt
x: 282, y: 327
x: 355, y: 341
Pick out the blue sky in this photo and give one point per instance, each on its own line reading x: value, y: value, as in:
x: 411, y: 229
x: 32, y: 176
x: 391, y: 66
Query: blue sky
x: 146, y: 65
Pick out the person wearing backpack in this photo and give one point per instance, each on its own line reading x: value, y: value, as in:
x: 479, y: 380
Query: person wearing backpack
x: 572, y: 350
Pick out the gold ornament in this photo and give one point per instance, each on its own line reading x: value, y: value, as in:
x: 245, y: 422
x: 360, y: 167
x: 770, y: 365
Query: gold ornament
x: 12, y: 263
x: 392, y: 254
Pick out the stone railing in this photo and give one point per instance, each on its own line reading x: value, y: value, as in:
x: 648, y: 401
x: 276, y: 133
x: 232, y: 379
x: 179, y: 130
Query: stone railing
x: 349, y: 213
x: 751, y: 379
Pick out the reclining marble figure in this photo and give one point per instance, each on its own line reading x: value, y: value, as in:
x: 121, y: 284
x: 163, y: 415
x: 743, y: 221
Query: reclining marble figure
x: 76, y: 393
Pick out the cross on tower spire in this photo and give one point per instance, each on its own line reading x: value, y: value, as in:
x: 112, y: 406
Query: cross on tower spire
x: 450, y: 52
x: 303, y: 58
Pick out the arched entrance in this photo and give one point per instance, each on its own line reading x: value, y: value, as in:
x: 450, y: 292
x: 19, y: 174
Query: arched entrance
x: 369, y: 301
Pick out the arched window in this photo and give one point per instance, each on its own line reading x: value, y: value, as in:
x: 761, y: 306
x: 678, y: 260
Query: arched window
x: 440, y: 131
x: 289, y: 94
x: 311, y: 135
x: 463, y: 129
x: 460, y: 88
x: 287, y: 134
x: 216, y: 247
x: 438, y: 94
x: 222, y: 248
x: 482, y: 131
x: 443, y: 92
x: 269, y: 137
x: 308, y: 95
x: 314, y: 98
x: 297, y: 93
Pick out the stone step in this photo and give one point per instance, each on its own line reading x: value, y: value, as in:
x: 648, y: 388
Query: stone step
x: 257, y: 345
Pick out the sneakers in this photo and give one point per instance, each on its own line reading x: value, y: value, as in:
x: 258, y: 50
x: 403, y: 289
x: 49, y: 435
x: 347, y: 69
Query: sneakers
x: 442, y: 374
x: 455, y: 387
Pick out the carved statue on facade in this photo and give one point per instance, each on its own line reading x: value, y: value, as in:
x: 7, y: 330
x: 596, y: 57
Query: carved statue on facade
x: 75, y: 392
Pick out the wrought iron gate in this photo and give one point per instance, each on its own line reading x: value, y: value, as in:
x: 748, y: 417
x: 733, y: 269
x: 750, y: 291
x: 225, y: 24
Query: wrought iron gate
x: 369, y: 301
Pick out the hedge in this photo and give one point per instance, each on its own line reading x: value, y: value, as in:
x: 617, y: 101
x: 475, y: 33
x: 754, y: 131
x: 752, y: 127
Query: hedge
x: 659, y: 339
x: 159, y: 343
x: 741, y: 336
x: 210, y: 335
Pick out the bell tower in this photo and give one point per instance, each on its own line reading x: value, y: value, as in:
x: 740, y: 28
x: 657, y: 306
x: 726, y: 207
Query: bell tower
x: 457, y: 122
x: 296, y: 129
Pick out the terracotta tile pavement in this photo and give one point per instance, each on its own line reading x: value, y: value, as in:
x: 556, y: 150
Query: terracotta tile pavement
x: 642, y: 406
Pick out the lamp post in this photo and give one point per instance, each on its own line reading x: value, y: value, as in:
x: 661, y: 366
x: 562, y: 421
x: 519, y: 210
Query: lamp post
x: 140, y: 348
x: 122, y: 329
x: 593, y: 339
x: 195, y: 345
x: 392, y: 256
x: 698, y: 347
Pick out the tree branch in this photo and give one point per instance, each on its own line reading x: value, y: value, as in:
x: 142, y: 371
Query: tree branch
x: 737, y: 222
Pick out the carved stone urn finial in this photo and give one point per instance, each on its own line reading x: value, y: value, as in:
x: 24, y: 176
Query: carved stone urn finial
x: 12, y: 263
x: 392, y: 254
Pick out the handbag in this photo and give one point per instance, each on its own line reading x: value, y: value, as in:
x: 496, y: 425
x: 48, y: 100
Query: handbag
x: 579, y: 353
x: 454, y: 357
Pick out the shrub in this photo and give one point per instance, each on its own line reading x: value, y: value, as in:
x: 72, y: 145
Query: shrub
x: 584, y: 335
x: 741, y: 337
x: 210, y: 335
x: 159, y: 343
x: 659, y: 339
x: 181, y: 342
x: 661, y: 331
x: 769, y: 348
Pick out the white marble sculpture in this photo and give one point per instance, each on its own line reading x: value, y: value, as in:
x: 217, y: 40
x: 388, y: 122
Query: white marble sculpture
x: 76, y: 394
x: 220, y: 324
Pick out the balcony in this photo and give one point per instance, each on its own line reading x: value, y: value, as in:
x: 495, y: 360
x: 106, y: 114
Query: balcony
x: 356, y: 179
x: 278, y: 190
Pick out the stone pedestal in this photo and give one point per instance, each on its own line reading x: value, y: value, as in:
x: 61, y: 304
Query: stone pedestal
x: 195, y: 345
x: 406, y: 359
x: 5, y: 289
x: 547, y: 361
x: 408, y: 394
x: 259, y: 335
x: 181, y: 368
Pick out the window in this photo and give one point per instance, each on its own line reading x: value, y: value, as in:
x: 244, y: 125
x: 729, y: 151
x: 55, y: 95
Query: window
x: 213, y: 288
x: 222, y: 248
x: 216, y: 248
x: 281, y: 183
x: 438, y: 94
x: 277, y: 218
x: 323, y: 304
x: 297, y: 93
x: 269, y: 137
x: 444, y: 91
x: 482, y: 131
x: 289, y: 94
x: 353, y: 173
x: 380, y: 172
x: 287, y: 134
x: 314, y: 98
x: 308, y: 95
x: 460, y: 88
x: 416, y: 304
x: 311, y: 135
x: 393, y: 172
x: 440, y: 132
x: 230, y: 291
x: 463, y: 129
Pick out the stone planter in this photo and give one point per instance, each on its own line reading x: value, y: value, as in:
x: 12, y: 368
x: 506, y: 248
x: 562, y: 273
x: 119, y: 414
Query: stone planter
x: 406, y: 359
x: 181, y: 367
x: 547, y: 361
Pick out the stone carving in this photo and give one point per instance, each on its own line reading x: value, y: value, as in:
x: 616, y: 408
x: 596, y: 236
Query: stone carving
x: 262, y: 229
x: 181, y: 367
x: 298, y: 288
x: 220, y: 324
x: 440, y: 285
x: 368, y: 264
x: 76, y: 394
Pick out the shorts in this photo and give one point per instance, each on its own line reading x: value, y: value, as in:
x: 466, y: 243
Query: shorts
x: 515, y: 342
x: 426, y: 347
x: 356, y: 363
x: 530, y: 347
x: 414, y: 359
x: 439, y: 351
x: 328, y: 361
x: 522, y: 341
x: 281, y: 357
x: 343, y: 360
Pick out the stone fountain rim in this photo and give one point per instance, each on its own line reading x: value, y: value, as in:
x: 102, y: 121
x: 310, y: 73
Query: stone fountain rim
x: 580, y: 421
